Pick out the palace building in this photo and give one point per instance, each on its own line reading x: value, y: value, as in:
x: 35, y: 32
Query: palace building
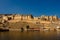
x: 18, y: 21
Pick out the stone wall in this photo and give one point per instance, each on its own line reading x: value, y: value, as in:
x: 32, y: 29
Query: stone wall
x: 22, y: 21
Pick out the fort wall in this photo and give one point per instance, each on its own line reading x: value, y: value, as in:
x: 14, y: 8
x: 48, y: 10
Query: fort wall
x: 18, y: 21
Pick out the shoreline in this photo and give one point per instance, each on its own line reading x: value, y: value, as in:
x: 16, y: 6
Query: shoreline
x: 30, y: 30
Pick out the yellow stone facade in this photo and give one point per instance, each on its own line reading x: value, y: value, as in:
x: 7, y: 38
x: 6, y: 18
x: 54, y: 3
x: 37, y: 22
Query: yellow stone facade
x: 30, y: 18
x: 16, y: 21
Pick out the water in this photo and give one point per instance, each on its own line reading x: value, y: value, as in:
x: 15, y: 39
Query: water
x: 31, y: 35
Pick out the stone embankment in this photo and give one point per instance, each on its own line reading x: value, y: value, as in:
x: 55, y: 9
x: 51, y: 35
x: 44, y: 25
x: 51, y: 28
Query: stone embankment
x: 32, y: 26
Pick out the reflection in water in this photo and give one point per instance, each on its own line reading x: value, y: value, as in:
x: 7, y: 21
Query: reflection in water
x: 36, y: 35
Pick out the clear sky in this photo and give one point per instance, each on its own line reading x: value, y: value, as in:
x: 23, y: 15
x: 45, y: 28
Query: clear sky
x: 34, y: 7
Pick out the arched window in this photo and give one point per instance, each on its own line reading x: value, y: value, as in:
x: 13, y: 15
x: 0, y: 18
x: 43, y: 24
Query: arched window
x: 27, y: 27
x: 44, y: 19
x: 9, y: 18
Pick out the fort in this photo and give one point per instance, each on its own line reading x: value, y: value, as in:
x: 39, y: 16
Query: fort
x: 29, y: 22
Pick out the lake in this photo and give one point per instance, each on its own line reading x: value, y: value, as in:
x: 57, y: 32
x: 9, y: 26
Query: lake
x: 30, y: 35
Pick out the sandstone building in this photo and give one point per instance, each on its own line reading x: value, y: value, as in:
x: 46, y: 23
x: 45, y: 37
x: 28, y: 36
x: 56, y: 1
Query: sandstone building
x: 17, y: 21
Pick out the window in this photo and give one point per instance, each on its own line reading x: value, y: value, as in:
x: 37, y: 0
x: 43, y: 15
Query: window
x: 44, y: 19
x: 9, y: 18
x: 37, y: 22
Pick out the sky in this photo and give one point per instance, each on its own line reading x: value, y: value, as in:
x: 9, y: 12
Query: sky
x: 34, y: 7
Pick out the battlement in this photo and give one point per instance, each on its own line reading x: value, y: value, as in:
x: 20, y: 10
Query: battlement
x: 18, y: 21
x: 28, y: 18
